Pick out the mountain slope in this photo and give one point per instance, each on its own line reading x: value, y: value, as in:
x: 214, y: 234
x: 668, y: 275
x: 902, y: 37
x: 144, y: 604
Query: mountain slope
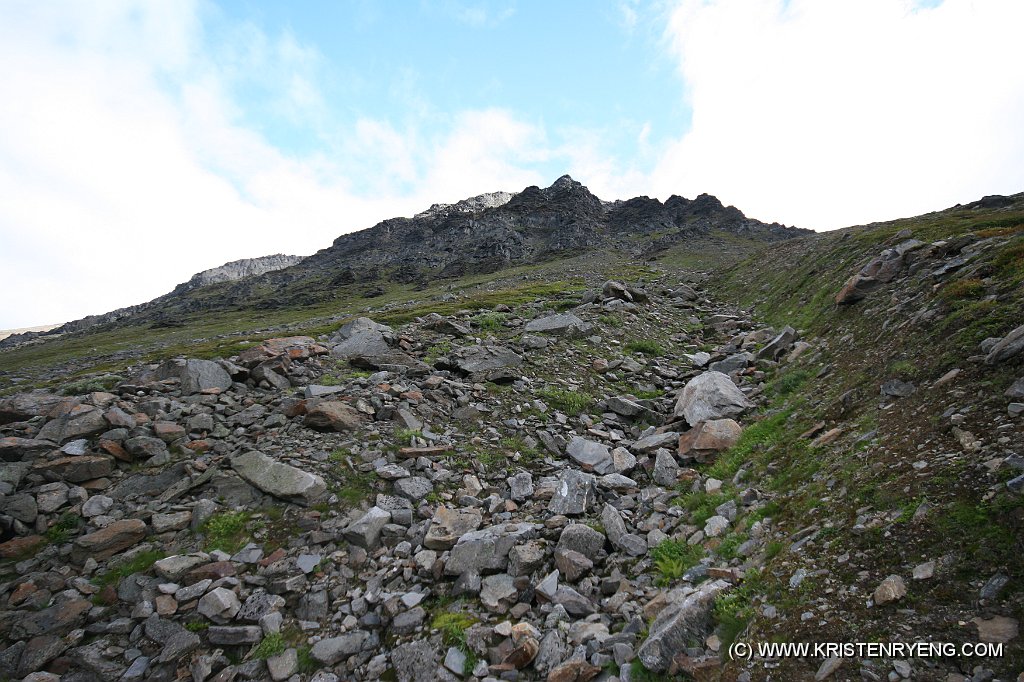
x: 542, y: 474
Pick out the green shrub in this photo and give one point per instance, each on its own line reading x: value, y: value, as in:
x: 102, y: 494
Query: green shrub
x: 272, y: 645
x: 672, y: 558
x: 490, y: 322
x: 570, y: 402
x: 227, y: 531
x: 645, y: 346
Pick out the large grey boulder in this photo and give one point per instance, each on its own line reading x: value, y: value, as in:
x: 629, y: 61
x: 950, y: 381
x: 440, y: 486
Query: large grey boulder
x: 590, y: 455
x: 79, y: 422
x: 481, y: 359
x: 486, y: 550
x: 561, y: 324
x: 680, y: 623
x: 574, y: 493
x: 362, y: 337
x: 194, y: 375
x: 278, y: 479
x: 1007, y: 347
x: 779, y: 345
x: 333, y: 650
x: 578, y: 537
x: 365, y: 531
x: 619, y: 535
x: 711, y: 395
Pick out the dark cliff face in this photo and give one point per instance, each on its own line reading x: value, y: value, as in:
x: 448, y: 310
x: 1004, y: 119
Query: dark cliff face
x: 534, y: 225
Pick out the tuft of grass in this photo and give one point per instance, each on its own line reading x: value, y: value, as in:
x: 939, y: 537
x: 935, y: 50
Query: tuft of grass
x: 701, y: 505
x: 453, y: 625
x: 734, y: 609
x: 645, y: 346
x: 60, y: 532
x: 271, y: 645
x: 140, y: 563
x: 353, y: 486
x: 962, y: 290
x: 403, y: 435
x: 570, y: 402
x: 489, y: 322
x: 227, y: 531
x: 672, y: 558
x: 197, y: 625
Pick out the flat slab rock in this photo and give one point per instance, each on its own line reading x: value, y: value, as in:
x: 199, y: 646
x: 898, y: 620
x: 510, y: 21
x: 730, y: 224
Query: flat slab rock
x: 278, y: 479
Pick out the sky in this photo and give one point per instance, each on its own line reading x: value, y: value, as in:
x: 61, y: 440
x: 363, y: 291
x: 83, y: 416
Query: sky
x: 142, y: 141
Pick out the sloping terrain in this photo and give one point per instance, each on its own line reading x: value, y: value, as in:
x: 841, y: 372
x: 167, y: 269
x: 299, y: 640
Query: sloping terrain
x: 538, y: 473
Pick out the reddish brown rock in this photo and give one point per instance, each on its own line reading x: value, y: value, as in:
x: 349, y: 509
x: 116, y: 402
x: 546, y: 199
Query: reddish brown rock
x: 708, y: 438
x: 13, y: 449
x: 333, y: 415
x: 114, y: 449
x: 168, y: 432
x: 574, y: 671
x: 21, y: 547
x: 76, y: 469
x: 106, y: 542
x: 214, y: 570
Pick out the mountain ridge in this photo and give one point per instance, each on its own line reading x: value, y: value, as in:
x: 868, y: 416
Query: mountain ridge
x: 480, y: 234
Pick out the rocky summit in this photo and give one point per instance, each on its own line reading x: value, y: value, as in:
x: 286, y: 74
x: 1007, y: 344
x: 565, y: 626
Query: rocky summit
x: 535, y: 436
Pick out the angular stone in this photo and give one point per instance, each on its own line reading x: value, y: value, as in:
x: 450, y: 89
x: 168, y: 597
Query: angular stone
x: 278, y: 479
x: 219, y: 605
x: 526, y: 558
x: 413, y: 488
x: 147, y: 448
x: 590, y: 455
x: 233, y: 635
x: 495, y: 589
x: 484, y: 358
x: 711, y: 395
x: 521, y: 486
x: 333, y: 650
x: 448, y: 525
x: 486, y: 550
x: 195, y: 376
x: 163, y: 523
x: 581, y: 538
x: 619, y: 535
x: 1007, y: 347
x: 678, y: 624
x: 76, y: 469
x: 108, y: 541
x: 890, y: 589
x: 666, y: 470
x: 79, y: 422
x: 365, y: 531
x: 709, y: 437
x: 560, y: 324
x: 362, y: 337
x: 777, y: 346
x: 333, y: 415
x: 649, y: 444
x: 574, y: 494
x: 13, y: 449
x: 574, y: 670
x: 175, y: 567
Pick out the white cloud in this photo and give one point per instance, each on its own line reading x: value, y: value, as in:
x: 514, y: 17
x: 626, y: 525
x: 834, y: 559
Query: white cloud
x: 826, y: 114
x: 127, y: 165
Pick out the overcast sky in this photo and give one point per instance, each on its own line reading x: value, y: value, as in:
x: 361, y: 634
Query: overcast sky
x: 144, y: 141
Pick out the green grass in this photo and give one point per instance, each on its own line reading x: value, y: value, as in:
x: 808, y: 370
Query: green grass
x: 734, y: 608
x: 271, y: 645
x: 352, y: 487
x: 759, y: 436
x: 646, y: 347
x: 701, y: 505
x: 672, y: 558
x: 197, y: 625
x: 61, y: 531
x: 489, y: 322
x: 403, y: 435
x: 570, y: 402
x: 140, y: 563
x: 453, y: 625
x: 227, y: 531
